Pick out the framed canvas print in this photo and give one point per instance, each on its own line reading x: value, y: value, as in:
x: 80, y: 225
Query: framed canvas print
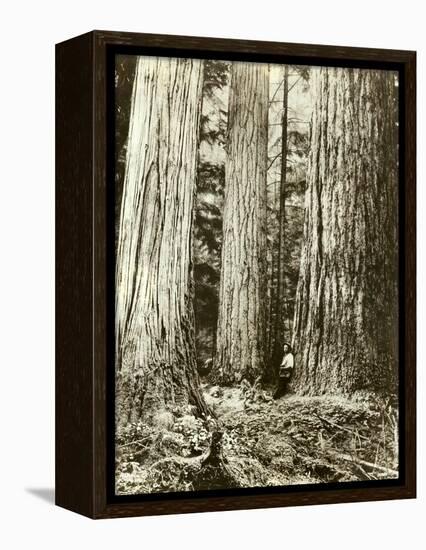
x: 235, y: 282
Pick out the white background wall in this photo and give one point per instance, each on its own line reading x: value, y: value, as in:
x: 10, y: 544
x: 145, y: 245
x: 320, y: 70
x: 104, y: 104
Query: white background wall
x: 28, y: 33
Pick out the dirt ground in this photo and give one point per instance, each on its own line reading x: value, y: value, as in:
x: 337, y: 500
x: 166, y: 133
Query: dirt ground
x: 294, y: 440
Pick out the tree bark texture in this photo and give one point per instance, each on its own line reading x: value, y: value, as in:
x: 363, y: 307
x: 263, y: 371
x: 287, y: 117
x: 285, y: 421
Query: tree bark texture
x: 155, y: 352
x: 242, y: 296
x: 280, y: 297
x: 346, y: 315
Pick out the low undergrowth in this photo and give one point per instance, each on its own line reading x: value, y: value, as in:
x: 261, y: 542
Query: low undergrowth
x: 295, y: 440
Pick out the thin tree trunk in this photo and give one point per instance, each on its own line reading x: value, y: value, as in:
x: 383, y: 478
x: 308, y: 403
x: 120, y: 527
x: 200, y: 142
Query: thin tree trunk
x: 242, y: 296
x: 280, y: 310
x: 346, y: 316
x: 155, y: 353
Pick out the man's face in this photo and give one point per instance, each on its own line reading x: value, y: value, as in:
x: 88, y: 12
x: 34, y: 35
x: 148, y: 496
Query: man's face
x: 285, y: 348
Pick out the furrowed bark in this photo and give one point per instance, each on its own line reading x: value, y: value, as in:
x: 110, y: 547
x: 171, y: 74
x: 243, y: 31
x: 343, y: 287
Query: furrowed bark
x: 155, y: 350
x: 242, y: 295
x: 346, y: 316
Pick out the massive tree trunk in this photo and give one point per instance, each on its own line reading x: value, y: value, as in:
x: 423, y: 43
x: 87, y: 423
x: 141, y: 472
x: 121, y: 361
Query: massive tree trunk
x: 242, y: 295
x: 155, y: 353
x: 345, y: 331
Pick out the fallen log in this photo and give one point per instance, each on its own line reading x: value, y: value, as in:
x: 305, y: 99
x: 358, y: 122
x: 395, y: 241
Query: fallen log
x: 359, y: 461
x: 343, y: 428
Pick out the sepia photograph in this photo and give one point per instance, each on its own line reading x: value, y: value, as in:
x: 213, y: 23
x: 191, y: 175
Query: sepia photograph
x: 256, y: 275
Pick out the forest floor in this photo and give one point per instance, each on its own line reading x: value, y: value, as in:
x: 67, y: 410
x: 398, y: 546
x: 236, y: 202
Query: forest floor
x: 293, y: 440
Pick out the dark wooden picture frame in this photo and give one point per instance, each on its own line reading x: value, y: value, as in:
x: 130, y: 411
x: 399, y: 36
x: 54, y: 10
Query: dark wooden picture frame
x: 84, y: 415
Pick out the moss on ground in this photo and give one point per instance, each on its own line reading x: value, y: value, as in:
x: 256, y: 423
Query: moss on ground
x: 295, y: 440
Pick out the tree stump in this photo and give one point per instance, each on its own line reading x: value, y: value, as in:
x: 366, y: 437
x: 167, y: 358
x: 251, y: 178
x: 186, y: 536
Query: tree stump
x: 214, y: 472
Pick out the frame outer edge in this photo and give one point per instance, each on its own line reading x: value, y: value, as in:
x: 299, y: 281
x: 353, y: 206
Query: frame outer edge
x: 99, y: 507
x: 74, y: 383
x: 410, y: 272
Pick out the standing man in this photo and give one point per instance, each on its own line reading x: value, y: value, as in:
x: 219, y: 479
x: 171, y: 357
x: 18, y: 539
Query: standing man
x: 285, y: 372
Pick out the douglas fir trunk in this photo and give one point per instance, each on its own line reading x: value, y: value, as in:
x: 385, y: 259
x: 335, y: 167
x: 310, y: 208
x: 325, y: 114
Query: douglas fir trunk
x: 155, y: 351
x: 345, y: 332
x: 241, y: 323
